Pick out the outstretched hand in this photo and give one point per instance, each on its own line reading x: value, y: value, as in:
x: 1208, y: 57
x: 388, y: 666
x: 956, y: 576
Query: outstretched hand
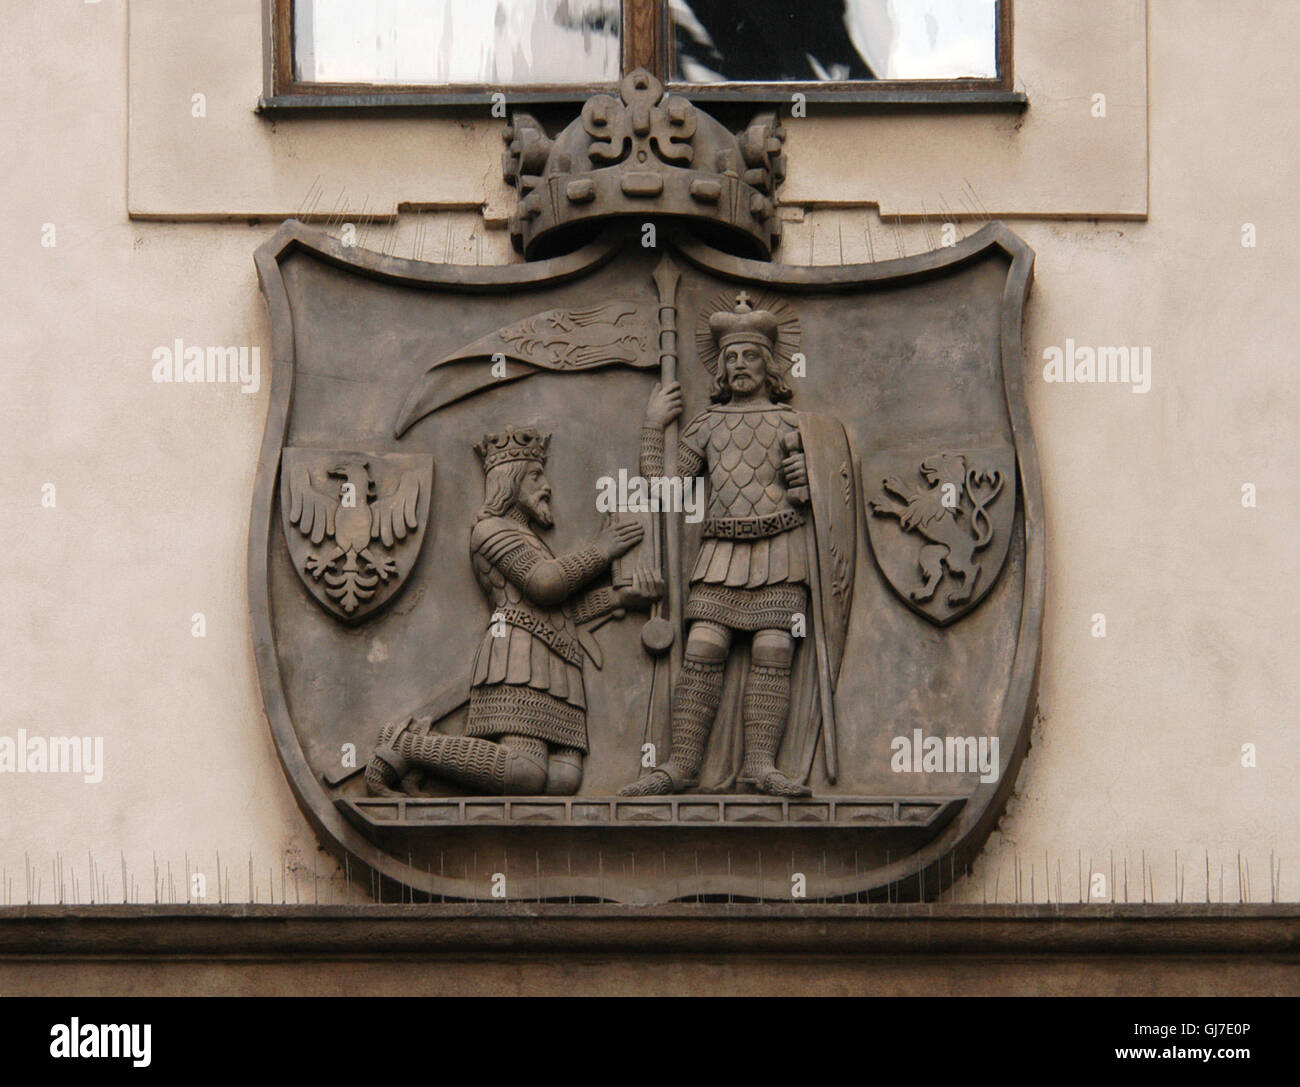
x: 619, y: 537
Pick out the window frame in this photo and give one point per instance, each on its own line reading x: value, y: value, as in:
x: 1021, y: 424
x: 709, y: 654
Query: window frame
x: 647, y: 43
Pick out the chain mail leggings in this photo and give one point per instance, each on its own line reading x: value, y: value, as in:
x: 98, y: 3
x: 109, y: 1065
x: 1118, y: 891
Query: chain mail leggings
x: 515, y: 766
x: 765, y: 707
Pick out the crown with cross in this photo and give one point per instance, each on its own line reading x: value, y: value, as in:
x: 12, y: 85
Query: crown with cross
x: 744, y: 324
x: 511, y: 445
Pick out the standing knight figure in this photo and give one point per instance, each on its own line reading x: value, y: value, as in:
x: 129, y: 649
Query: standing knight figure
x: 527, y: 728
x: 751, y: 576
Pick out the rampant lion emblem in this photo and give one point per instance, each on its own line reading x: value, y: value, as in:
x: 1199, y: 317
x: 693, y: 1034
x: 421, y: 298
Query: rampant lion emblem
x: 951, y: 514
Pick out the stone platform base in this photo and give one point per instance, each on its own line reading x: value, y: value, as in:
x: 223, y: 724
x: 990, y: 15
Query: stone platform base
x: 676, y: 811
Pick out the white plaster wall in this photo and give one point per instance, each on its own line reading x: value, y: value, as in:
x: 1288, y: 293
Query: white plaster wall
x: 1138, y: 746
x: 1040, y: 162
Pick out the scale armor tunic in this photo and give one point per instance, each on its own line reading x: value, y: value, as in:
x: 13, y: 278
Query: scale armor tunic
x: 751, y: 572
x: 528, y: 681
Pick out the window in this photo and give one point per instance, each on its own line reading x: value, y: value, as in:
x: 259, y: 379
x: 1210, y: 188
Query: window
x: 768, y: 41
x: 499, y: 43
x: 394, y: 52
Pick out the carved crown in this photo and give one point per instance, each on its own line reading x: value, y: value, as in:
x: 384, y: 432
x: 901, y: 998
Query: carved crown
x: 648, y: 153
x: 744, y: 323
x: 524, y: 444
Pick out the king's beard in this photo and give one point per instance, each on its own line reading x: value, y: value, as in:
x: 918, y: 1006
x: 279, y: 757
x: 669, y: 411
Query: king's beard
x: 538, y: 512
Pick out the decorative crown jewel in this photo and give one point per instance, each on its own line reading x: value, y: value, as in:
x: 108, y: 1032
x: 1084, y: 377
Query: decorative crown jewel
x: 523, y: 444
x: 646, y: 152
x: 744, y: 323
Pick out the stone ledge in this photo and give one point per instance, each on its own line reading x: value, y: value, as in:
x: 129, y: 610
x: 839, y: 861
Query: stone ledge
x: 279, y: 933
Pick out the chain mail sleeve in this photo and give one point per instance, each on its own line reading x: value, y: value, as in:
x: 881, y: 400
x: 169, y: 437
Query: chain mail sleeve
x: 689, y: 462
x: 577, y: 568
x: 691, y: 446
x: 543, y: 579
x: 593, y: 604
x: 690, y: 449
x: 652, y: 452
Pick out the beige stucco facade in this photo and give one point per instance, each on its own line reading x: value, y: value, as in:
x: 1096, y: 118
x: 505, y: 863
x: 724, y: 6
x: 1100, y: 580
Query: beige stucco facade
x: 1138, y: 218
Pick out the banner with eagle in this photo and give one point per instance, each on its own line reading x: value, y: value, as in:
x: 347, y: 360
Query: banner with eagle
x: 615, y: 333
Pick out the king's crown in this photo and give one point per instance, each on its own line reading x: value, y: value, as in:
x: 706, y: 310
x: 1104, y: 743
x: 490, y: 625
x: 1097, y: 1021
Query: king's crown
x: 523, y: 444
x: 743, y: 323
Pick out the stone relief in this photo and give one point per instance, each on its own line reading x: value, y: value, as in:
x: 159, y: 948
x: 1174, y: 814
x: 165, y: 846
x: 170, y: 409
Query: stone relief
x: 757, y: 557
x: 527, y: 726
x: 588, y: 684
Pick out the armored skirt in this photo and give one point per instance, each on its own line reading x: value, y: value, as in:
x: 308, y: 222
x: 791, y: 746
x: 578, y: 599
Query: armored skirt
x: 523, y: 687
x: 750, y: 585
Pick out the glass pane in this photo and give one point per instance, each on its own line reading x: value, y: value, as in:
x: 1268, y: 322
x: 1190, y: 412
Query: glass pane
x: 497, y: 42
x: 808, y: 40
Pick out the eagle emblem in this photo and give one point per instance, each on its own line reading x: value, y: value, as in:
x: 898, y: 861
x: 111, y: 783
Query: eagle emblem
x: 354, y: 523
x: 958, y: 516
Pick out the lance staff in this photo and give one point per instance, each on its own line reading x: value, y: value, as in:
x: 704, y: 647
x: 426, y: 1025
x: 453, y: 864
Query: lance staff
x: 661, y: 633
x: 666, y: 278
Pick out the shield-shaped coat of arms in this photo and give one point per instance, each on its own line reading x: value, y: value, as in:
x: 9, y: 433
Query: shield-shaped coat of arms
x: 648, y: 567
x: 359, y: 521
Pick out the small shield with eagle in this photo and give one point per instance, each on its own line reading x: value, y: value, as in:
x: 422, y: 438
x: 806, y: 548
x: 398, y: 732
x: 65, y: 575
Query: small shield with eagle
x: 354, y: 523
